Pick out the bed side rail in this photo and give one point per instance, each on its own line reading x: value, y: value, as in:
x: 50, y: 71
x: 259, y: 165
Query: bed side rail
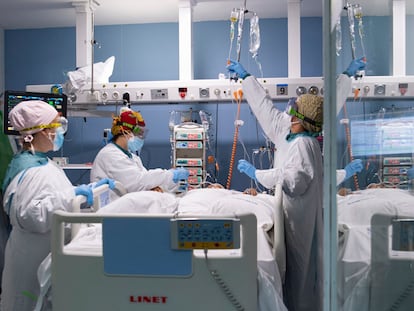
x: 101, y: 197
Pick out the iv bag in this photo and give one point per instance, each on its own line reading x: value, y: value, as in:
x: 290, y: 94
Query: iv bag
x: 254, y: 36
x: 204, y: 119
x: 338, y: 42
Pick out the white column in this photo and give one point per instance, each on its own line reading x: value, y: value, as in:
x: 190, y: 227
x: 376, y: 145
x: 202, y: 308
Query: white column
x: 294, y: 63
x: 84, y: 32
x: 186, y: 40
x: 398, y: 38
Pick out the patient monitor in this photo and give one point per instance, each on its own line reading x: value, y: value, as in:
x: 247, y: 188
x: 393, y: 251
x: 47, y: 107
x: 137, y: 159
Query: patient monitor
x: 392, y: 259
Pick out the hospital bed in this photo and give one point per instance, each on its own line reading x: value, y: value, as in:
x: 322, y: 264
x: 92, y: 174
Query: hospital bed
x: 144, y: 260
x: 376, y: 250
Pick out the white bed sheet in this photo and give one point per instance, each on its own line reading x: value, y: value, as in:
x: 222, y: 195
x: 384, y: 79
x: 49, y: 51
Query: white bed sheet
x: 354, y: 224
x: 204, y: 202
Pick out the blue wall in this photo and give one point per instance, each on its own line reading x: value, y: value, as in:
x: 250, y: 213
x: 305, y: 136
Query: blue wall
x: 149, y: 52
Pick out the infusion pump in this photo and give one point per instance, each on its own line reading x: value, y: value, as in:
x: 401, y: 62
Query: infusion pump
x: 189, y: 151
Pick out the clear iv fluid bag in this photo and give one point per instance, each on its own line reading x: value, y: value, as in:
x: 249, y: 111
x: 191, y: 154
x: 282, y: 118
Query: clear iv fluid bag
x: 338, y: 39
x: 254, y: 35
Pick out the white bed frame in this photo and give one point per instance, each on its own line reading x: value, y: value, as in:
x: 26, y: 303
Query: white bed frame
x: 79, y: 281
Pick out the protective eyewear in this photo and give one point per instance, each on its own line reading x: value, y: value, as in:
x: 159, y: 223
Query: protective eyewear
x: 137, y: 130
x: 140, y: 131
x: 292, y: 110
x: 292, y: 107
x: 62, y: 123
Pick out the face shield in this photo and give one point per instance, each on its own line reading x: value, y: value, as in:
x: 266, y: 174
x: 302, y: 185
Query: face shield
x: 292, y: 110
x: 292, y: 107
x: 140, y: 131
x: 61, y: 123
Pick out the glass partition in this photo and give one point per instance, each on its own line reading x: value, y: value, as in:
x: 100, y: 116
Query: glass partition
x: 375, y: 206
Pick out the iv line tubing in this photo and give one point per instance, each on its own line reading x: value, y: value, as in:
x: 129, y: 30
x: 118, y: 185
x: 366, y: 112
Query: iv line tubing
x: 239, y: 95
x: 348, y: 140
x: 92, y: 47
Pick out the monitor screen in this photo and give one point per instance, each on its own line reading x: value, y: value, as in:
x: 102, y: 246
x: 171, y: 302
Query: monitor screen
x: 12, y: 98
x: 383, y: 136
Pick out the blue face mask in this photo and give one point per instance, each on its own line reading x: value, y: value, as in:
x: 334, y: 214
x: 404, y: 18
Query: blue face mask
x: 58, y: 140
x: 135, y: 144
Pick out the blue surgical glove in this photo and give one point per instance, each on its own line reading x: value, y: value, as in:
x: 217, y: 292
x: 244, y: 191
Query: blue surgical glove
x: 355, y: 66
x: 410, y: 173
x: 353, y: 167
x: 180, y: 174
x: 237, y: 68
x: 103, y: 181
x: 85, y: 190
x: 247, y: 168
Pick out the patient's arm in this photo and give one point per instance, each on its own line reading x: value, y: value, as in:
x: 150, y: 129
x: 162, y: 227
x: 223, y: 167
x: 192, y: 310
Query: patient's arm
x: 250, y: 191
x: 157, y: 189
x: 215, y: 186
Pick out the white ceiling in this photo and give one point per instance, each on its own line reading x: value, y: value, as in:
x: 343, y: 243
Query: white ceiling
x: 24, y: 14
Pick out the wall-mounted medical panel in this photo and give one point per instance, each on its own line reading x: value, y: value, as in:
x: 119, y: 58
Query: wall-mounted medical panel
x: 383, y: 87
x: 224, y: 89
x: 185, y: 91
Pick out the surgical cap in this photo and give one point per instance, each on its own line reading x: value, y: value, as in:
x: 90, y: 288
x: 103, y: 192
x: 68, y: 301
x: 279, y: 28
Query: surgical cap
x: 28, y: 115
x: 311, y: 106
x: 128, y: 120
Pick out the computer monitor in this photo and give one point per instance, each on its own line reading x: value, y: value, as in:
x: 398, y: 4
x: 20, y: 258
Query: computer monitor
x: 12, y: 98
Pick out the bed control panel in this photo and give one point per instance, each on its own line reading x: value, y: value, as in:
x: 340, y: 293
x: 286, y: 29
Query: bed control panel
x: 205, y: 233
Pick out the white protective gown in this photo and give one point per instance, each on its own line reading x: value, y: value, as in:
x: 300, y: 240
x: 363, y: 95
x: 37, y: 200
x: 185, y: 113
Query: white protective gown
x: 112, y: 162
x: 34, y: 195
x: 298, y: 166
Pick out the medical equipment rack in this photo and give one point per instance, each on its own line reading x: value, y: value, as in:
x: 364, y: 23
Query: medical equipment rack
x: 189, y: 151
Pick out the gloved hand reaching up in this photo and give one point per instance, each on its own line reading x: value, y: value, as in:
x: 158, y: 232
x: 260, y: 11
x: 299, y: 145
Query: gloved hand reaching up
x: 410, y: 173
x: 237, y: 68
x: 85, y: 190
x: 180, y: 174
x: 354, y: 66
x: 353, y: 167
x: 103, y: 181
x: 247, y: 168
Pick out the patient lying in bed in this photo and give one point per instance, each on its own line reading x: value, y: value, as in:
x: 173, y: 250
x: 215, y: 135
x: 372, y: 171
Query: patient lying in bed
x: 206, y: 201
x: 355, y: 212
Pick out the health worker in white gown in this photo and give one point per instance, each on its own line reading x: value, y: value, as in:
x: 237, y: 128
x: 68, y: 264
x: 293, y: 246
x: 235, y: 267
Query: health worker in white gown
x: 298, y: 166
x: 119, y: 160
x: 34, y: 187
x: 301, y: 174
